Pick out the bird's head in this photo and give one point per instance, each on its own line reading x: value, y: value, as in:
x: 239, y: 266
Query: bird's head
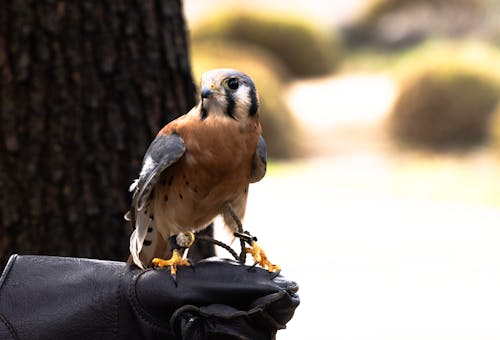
x: 228, y: 92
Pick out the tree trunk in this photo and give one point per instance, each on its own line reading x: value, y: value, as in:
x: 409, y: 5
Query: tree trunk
x: 84, y: 87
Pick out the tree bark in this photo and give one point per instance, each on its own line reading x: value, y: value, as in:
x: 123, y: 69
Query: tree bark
x: 84, y: 87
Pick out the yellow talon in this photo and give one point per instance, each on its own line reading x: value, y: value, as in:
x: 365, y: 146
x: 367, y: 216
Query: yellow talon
x: 175, y: 260
x: 260, y: 257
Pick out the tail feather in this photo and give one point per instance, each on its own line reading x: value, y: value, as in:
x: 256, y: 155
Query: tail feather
x: 142, y: 223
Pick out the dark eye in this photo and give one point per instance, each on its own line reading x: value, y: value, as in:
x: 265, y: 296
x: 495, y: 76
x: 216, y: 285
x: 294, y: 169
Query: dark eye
x: 233, y: 84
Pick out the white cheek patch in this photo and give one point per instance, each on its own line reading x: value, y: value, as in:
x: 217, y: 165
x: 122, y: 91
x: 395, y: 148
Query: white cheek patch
x: 242, y: 101
x: 242, y: 97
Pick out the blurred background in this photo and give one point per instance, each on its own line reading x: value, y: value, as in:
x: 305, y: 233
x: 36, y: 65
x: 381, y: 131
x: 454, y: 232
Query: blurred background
x: 382, y: 118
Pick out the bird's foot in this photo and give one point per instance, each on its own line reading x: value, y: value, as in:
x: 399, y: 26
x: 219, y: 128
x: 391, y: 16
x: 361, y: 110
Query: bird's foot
x: 177, y: 242
x: 175, y: 261
x: 260, y: 257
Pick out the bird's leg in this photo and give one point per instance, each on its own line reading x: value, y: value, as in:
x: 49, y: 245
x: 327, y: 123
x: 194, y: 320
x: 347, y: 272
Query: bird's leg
x: 178, y: 243
x: 239, y: 232
x: 257, y: 252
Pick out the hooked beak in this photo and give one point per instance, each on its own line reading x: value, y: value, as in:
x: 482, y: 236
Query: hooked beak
x: 210, y: 91
x: 206, y: 93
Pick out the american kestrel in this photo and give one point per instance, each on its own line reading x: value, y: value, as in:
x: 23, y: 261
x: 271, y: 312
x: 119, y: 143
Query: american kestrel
x: 199, y: 166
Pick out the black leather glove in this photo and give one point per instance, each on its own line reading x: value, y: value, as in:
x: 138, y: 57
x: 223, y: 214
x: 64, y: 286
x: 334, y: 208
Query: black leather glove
x: 43, y: 297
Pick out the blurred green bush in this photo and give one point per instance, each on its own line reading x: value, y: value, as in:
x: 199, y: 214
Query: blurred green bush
x: 400, y: 23
x: 279, y: 127
x: 304, y: 49
x: 445, y: 103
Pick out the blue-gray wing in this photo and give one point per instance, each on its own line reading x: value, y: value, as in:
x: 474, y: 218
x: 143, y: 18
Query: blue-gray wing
x: 259, y: 163
x: 164, y: 151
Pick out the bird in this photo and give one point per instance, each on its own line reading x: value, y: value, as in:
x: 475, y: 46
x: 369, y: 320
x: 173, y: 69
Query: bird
x: 199, y: 166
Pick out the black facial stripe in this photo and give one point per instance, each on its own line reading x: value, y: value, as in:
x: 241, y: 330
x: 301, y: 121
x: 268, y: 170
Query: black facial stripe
x: 230, y: 104
x: 254, y: 103
x: 204, y: 113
